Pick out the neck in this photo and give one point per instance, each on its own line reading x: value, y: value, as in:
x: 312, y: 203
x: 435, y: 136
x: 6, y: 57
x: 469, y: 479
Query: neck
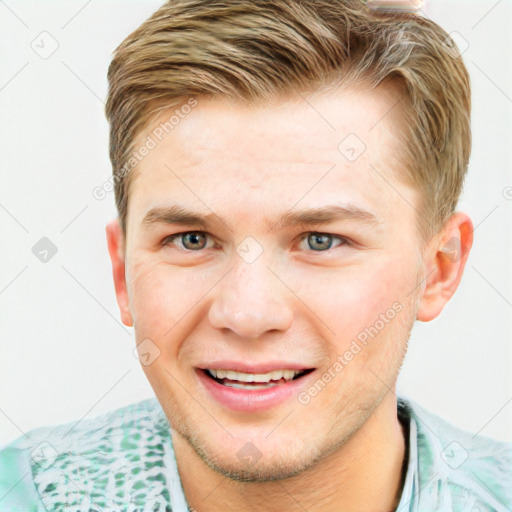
x: 363, y: 474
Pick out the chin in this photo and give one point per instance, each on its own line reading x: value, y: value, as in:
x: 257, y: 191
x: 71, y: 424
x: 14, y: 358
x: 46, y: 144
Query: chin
x: 250, y: 464
x: 249, y: 455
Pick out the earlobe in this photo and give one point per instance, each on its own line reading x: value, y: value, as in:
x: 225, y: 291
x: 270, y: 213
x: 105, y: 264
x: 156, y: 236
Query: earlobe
x: 115, y: 242
x: 445, y: 260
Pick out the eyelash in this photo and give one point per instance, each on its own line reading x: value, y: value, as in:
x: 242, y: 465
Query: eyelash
x: 344, y: 241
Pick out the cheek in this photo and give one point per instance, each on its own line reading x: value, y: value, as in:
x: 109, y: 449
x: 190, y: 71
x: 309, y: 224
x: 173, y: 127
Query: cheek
x: 362, y: 294
x: 351, y: 300
x: 164, y: 300
x: 157, y: 299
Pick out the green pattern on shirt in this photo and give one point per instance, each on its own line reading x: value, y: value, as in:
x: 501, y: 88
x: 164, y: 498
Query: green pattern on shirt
x: 124, y: 461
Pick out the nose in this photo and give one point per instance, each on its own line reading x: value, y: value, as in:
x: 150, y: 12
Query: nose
x: 251, y: 301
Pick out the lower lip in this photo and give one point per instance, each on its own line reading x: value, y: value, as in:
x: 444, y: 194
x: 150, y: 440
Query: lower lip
x: 252, y: 400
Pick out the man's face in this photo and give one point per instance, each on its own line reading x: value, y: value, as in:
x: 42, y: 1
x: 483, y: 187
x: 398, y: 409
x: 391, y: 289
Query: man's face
x: 248, y: 292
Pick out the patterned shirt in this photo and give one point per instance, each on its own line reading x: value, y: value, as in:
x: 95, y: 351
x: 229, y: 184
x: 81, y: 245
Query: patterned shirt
x: 124, y: 461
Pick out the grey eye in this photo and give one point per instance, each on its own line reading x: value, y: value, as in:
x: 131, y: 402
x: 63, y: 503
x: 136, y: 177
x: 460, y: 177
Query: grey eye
x: 194, y: 240
x: 319, y: 241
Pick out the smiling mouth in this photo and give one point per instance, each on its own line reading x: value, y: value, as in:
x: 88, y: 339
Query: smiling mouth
x: 241, y: 380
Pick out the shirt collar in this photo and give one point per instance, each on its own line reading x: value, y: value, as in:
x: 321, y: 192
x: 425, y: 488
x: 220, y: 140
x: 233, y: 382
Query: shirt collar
x: 408, y: 499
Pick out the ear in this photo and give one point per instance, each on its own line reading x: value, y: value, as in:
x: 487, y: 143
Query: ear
x: 116, y: 249
x: 445, y: 258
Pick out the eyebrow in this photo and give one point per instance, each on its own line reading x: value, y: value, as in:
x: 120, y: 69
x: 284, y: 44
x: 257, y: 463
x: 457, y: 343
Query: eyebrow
x: 177, y: 214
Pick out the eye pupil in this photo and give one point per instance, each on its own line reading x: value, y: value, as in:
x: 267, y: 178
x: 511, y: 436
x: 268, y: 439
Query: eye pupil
x: 192, y: 240
x: 319, y: 241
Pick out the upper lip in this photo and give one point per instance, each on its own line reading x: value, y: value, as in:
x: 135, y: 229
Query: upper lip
x: 266, y: 367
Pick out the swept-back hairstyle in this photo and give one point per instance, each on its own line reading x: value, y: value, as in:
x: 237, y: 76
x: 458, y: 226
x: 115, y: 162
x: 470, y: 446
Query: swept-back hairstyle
x: 257, y: 50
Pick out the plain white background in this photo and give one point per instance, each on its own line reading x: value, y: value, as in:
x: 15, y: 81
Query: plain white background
x: 65, y: 354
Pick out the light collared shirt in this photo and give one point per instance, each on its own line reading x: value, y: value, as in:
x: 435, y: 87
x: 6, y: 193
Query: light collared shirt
x: 124, y: 461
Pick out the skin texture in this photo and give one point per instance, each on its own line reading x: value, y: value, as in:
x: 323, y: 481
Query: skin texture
x: 243, y: 167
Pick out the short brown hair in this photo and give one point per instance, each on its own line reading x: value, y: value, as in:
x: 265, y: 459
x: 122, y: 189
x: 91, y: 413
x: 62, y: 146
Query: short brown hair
x: 255, y: 50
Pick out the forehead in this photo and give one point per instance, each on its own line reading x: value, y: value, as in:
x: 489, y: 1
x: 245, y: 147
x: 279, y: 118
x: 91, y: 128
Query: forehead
x: 342, y: 144
x: 299, y: 124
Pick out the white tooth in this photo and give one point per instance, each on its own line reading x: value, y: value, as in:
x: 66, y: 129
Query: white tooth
x: 262, y: 377
x: 288, y: 374
x: 245, y: 386
x: 254, y: 377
